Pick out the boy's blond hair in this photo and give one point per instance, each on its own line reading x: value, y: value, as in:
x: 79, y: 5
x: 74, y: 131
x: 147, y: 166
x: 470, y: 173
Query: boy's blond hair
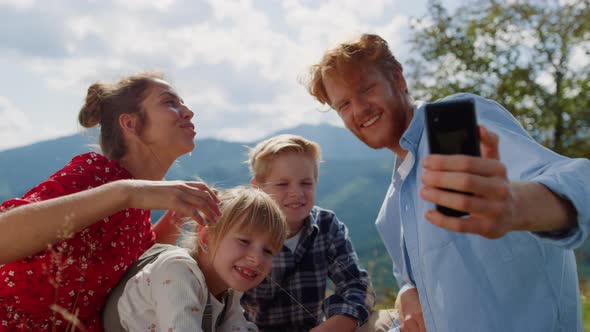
x: 249, y: 209
x: 260, y: 157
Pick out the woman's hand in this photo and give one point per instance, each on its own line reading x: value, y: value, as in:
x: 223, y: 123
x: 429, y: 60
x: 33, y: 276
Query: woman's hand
x: 185, y: 198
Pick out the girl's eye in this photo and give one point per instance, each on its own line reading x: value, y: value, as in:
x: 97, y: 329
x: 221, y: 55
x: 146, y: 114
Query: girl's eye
x: 244, y: 241
x: 281, y: 184
x: 268, y: 251
x: 307, y: 183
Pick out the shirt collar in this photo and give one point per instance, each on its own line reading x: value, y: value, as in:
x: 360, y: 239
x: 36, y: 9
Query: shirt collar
x: 406, y: 165
x: 311, y: 223
x: 403, y: 166
x: 411, y: 137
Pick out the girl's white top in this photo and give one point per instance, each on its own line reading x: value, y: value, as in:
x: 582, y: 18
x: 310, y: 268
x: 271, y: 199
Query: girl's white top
x: 170, y: 294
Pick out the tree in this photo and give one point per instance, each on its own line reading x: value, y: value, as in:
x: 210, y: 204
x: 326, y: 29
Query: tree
x: 533, y: 57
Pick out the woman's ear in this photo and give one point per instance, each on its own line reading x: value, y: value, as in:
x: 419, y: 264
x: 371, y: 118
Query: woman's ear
x: 253, y: 183
x: 128, y: 123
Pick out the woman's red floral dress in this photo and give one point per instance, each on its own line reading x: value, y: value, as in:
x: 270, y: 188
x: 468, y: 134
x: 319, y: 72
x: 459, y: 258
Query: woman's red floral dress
x: 76, y: 274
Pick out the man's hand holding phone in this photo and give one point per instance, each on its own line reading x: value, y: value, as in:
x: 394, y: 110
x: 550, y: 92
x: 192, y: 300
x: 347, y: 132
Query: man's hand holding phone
x: 463, y: 175
x: 491, y: 207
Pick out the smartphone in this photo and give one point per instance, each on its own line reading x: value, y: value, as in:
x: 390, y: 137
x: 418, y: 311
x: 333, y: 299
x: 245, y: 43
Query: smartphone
x: 451, y: 127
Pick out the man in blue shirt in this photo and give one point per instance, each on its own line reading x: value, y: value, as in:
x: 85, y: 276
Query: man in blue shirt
x: 509, y: 265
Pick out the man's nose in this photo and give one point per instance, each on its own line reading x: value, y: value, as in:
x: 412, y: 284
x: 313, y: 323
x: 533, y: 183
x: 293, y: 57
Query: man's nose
x: 360, y: 107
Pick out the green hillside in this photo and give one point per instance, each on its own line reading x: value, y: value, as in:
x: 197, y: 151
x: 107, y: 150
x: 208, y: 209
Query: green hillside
x: 353, y: 180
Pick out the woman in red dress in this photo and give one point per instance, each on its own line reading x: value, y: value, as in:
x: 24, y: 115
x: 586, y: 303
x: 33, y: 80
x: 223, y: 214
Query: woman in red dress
x: 67, y: 241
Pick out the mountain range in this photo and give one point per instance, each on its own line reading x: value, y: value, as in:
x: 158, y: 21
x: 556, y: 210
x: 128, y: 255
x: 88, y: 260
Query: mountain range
x: 353, y: 180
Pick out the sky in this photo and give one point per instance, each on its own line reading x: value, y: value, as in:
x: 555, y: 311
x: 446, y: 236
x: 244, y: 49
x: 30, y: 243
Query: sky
x: 237, y: 64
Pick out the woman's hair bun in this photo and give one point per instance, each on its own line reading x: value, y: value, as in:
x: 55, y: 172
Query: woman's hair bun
x: 91, y: 112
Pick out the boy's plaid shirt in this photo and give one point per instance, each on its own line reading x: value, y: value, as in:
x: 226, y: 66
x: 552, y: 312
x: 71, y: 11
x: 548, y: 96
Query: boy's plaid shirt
x: 324, y: 251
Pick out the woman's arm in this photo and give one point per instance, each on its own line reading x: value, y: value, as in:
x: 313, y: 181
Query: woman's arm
x: 28, y: 229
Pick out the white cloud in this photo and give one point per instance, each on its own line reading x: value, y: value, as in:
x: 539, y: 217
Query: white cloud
x: 18, y: 4
x: 15, y: 127
x: 13, y: 119
x: 139, y: 5
x: 75, y: 73
x: 238, y: 61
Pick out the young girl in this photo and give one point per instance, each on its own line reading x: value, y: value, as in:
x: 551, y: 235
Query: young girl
x: 199, y: 289
x: 94, y: 213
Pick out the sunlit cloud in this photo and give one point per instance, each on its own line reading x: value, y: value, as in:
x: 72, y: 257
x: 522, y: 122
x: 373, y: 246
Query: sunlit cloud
x: 18, y: 4
x: 237, y: 64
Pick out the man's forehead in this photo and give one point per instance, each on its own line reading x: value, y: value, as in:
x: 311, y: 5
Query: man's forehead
x: 341, y: 82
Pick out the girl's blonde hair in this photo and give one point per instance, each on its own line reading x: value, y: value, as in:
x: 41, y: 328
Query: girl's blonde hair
x: 250, y: 209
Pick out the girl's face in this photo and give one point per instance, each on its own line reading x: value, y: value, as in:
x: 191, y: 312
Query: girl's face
x: 168, y: 129
x: 241, y: 260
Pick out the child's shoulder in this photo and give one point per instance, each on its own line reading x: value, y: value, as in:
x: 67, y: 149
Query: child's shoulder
x: 324, y: 218
x: 173, y: 256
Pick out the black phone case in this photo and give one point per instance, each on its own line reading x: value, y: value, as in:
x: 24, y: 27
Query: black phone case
x: 451, y: 127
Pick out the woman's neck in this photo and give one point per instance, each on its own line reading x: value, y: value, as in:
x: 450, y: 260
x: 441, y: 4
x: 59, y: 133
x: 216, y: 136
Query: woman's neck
x: 145, y: 166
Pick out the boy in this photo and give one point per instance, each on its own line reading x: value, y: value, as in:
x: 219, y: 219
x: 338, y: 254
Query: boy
x: 317, y: 248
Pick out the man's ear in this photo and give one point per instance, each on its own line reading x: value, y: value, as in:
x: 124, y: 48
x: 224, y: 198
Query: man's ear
x: 128, y: 123
x: 399, y: 81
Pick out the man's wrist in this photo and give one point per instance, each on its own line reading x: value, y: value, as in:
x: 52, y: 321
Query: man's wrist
x: 538, y: 209
x: 402, y: 290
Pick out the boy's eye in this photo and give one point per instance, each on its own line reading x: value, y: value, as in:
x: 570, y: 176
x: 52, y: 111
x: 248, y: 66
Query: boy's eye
x: 307, y: 183
x: 281, y: 184
x: 343, y: 106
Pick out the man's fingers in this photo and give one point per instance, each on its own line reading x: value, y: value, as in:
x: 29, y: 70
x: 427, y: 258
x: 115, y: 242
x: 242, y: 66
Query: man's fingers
x: 479, y: 185
x: 471, y: 224
x: 464, y: 164
x: 489, y: 142
x: 462, y: 202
